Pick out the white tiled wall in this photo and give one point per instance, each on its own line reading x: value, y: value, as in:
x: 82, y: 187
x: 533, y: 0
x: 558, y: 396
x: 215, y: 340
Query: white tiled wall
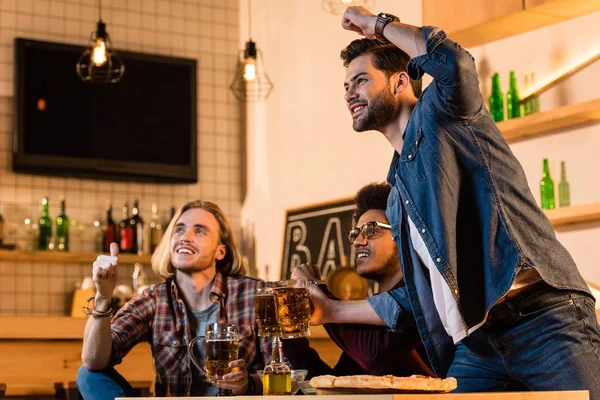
x: 207, y: 30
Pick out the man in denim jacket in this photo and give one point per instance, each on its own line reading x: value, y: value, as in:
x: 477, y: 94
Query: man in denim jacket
x: 498, y: 301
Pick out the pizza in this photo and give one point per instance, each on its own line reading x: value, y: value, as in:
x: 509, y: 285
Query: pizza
x: 413, y: 383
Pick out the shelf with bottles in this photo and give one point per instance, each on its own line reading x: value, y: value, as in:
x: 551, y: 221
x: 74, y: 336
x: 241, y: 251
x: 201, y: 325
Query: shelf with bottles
x: 66, y: 257
x: 547, y: 122
x: 574, y: 214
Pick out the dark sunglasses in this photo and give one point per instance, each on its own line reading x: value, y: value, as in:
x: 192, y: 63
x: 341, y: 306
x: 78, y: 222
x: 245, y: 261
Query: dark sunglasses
x: 367, y: 230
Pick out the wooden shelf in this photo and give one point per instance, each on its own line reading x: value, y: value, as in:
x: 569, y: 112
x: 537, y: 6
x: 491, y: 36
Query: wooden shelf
x: 527, y: 19
x: 65, y: 258
x: 549, y: 121
x: 574, y: 214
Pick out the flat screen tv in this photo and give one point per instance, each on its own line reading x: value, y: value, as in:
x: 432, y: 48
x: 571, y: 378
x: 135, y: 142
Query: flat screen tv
x: 142, y: 128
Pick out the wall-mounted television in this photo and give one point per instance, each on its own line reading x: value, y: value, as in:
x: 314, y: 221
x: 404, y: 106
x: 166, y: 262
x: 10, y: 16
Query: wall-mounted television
x: 142, y: 128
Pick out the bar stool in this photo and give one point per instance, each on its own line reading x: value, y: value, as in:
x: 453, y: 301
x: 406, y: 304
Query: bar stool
x: 68, y: 390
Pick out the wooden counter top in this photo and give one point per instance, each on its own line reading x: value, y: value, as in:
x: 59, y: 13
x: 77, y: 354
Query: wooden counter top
x: 49, y: 328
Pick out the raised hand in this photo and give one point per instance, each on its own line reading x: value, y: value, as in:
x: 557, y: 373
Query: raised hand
x: 308, y: 271
x: 104, y: 272
x: 361, y: 20
x: 320, y: 304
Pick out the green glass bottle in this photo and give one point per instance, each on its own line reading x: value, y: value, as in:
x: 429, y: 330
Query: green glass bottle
x: 45, y: 227
x: 513, y: 101
x: 496, y: 100
x: 547, y: 188
x: 62, y: 228
x: 534, y: 102
x: 527, y: 104
x: 564, y: 194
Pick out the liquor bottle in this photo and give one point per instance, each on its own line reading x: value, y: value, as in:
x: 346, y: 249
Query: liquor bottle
x: 527, y: 104
x: 125, y: 232
x: 45, y: 227
x: 534, y: 102
x: 277, y: 376
x: 513, y: 101
x: 137, y: 225
x: 156, y: 229
x: 546, y: 188
x: 496, y: 100
x: 62, y: 228
x: 564, y: 193
x: 109, y: 229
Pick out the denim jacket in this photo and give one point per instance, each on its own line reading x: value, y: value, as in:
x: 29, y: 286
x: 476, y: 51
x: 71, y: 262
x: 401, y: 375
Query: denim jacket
x: 462, y: 187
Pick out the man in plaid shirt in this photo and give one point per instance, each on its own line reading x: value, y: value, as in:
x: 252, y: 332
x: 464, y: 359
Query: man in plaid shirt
x: 204, y: 283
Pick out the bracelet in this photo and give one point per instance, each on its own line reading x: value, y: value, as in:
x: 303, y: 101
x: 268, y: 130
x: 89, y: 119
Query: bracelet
x: 96, y: 313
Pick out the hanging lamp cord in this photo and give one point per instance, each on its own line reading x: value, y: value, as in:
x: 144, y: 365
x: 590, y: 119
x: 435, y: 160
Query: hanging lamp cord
x: 100, y: 10
x: 250, y: 19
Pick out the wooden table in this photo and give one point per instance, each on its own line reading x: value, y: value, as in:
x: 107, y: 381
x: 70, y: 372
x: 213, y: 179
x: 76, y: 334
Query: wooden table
x: 563, y: 395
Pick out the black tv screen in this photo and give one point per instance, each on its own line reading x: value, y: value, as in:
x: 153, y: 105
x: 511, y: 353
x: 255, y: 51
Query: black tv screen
x: 141, y: 128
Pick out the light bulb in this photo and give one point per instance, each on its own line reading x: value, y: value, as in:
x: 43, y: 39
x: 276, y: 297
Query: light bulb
x: 250, y: 69
x: 99, y: 56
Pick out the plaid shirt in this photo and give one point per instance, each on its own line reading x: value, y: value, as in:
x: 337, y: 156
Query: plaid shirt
x: 158, y: 317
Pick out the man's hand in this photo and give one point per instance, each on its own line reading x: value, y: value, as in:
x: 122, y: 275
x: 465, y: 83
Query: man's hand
x: 104, y: 273
x: 321, y: 306
x: 307, y: 271
x: 361, y: 20
x: 236, y: 381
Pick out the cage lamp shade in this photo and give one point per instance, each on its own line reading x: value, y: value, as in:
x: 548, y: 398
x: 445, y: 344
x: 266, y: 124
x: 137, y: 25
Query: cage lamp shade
x: 99, y: 62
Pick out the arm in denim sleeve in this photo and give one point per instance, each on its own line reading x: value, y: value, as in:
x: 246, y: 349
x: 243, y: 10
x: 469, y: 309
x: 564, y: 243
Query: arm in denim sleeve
x: 131, y: 325
x: 454, y: 91
x: 393, y: 307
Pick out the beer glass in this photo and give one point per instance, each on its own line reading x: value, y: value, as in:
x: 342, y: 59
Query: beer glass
x: 293, y: 308
x: 266, y: 311
x: 221, y: 345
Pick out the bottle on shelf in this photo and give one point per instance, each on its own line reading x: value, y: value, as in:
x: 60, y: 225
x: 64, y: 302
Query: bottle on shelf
x: 534, y: 102
x: 45, y: 227
x: 109, y: 229
x: 527, y: 104
x: 513, y: 101
x: 277, y: 376
x: 564, y: 193
x: 98, y: 237
x: 125, y: 231
x: 546, y: 188
x: 137, y: 225
x: 496, y: 100
x: 62, y: 228
x: 156, y: 229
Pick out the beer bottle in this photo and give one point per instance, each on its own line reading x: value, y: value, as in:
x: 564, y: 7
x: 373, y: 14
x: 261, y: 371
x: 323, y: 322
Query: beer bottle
x: 125, y: 232
x: 62, y: 228
x: 546, y: 188
x: 513, y: 101
x: 496, y: 100
x: 564, y: 194
x: 277, y: 376
x: 535, y: 100
x: 45, y: 227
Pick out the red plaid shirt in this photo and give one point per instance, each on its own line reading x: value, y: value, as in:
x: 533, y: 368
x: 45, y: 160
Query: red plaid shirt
x: 158, y: 317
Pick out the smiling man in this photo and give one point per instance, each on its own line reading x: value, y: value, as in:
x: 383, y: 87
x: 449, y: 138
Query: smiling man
x: 368, y: 349
x: 204, y: 283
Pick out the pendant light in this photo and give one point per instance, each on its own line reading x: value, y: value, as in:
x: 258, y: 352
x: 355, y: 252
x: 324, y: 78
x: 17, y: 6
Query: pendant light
x: 337, y: 7
x: 251, y: 82
x: 99, y: 62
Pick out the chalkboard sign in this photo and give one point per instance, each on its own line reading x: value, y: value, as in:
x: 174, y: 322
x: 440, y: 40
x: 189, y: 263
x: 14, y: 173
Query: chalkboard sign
x: 317, y: 235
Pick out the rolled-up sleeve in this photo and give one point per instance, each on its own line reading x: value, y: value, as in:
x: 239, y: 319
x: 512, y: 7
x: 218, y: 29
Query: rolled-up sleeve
x: 393, y: 307
x: 455, y: 87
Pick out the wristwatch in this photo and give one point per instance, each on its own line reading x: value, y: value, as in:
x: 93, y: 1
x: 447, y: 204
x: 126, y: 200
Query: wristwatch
x: 382, y: 20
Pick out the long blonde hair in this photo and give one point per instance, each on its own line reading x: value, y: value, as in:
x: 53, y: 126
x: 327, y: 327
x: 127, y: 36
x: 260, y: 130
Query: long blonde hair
x: 232, y: 263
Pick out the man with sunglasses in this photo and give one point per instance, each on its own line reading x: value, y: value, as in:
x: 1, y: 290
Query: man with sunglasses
x: 367, y: 348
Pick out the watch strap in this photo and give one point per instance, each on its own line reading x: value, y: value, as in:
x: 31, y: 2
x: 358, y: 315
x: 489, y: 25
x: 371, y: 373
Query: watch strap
x: 382, y: 20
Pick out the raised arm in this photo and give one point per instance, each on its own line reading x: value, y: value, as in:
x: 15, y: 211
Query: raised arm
x: 455, y: 85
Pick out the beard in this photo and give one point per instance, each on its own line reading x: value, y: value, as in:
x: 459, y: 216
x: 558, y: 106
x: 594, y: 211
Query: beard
x: 382, y: 273
x: 380, y: 110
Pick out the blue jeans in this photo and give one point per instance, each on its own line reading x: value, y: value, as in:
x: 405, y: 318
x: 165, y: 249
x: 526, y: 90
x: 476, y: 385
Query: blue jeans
x: 541, y: 339
x: 105, y: 384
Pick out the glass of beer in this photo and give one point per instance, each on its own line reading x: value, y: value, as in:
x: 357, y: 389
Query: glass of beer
x: 293, y: 308
x: 221, y: 345
x: 266, y: 311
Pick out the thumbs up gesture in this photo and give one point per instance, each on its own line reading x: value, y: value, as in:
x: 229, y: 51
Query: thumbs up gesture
x: 104, y: 272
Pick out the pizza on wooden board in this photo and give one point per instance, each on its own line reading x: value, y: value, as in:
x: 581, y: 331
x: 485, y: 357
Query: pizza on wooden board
x: 413, y: 383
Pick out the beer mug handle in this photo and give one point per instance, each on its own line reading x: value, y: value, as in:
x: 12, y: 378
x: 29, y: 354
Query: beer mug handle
x: 193, y: 357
